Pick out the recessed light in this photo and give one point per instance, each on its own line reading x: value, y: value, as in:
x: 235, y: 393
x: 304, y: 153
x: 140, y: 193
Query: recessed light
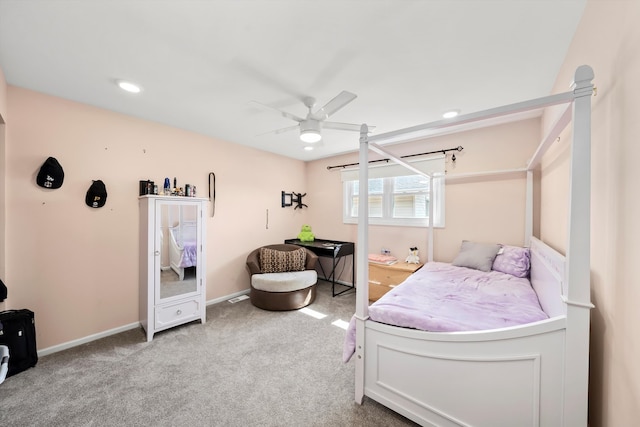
x: 308, y: 148
x: 450, y: 114
x: 128, y: 86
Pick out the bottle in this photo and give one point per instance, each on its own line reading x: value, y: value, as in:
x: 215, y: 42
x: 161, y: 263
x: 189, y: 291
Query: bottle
x: 193, y: 191
x: 167, y: 187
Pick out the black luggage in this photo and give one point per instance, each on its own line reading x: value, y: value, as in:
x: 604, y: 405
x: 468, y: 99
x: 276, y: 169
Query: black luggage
x: 18, y: 332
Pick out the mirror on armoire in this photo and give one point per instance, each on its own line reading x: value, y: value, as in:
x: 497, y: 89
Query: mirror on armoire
x: 178, y: 249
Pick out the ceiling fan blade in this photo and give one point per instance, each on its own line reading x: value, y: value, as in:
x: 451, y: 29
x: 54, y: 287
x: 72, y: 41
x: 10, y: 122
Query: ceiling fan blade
x: 287, y: 129
x: 282, y: 113
x: 344, y: 126
x: 342, y: 99
x: 279, y: 131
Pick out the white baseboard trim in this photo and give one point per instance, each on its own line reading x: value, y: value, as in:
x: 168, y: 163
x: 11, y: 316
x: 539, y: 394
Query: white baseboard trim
x: 342, y: 282
x: 104, y: 334
x: 338, y: 282
x: 228, y: 297
x: 89, y: 338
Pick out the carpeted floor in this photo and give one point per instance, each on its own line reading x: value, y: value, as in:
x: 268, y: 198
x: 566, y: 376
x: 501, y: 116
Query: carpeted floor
x: 244, y: 367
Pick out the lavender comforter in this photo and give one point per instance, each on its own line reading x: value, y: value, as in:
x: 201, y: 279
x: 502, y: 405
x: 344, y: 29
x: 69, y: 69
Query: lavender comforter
x: 189, y: 255
x: 442, y: 298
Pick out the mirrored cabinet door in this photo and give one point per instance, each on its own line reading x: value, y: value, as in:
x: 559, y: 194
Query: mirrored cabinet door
x: 172, y: 262
x: 177, y: 246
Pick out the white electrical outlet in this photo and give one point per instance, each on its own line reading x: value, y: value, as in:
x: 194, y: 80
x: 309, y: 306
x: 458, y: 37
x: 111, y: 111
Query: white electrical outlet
x: 385, y: 251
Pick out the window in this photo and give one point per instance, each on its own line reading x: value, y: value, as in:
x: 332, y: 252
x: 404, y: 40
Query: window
x: 395, y: 197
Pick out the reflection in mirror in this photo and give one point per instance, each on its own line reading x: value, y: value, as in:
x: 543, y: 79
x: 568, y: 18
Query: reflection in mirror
x: 178, y: 238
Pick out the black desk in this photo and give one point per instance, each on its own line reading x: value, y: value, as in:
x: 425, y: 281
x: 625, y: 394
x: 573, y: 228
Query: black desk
x: 335, y: 250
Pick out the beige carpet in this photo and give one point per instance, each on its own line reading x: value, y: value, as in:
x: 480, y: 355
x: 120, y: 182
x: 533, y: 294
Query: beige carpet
x: 244, y: 367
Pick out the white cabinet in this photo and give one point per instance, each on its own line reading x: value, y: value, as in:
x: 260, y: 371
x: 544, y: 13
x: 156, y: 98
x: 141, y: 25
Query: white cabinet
x: 172, y: 262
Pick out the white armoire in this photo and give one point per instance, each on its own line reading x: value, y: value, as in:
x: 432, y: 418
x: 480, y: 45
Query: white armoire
x: 172, y: 262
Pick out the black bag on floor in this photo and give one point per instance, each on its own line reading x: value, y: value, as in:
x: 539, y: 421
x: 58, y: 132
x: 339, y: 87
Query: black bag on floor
x: 18, y: 332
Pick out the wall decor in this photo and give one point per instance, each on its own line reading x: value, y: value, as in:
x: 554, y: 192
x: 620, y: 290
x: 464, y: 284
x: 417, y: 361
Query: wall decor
x: 288, y: 199
x: 51, y: 174
x: 96, y: 195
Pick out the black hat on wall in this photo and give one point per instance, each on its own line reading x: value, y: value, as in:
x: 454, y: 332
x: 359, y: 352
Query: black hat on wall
x: 51, y: 174
x: 96, y: 195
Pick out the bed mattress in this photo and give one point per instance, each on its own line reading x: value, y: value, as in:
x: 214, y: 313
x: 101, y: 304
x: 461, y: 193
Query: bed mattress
x: 443, y: 298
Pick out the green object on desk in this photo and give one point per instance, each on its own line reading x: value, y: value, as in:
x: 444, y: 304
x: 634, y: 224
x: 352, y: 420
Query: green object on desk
x: 306, y: 235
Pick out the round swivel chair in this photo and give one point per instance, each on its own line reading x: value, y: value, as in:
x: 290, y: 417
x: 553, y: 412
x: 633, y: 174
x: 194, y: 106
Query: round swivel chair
x: 282, y: 290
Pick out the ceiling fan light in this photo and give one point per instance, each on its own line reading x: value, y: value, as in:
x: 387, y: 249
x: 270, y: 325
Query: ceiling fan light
x: 310, y: 131
x: 311, y: 136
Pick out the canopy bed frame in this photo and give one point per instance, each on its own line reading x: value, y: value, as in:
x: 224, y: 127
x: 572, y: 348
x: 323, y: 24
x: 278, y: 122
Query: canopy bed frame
x: 529, y: 375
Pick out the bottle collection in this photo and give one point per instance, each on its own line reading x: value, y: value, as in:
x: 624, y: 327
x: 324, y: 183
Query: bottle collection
x: 149, y: 187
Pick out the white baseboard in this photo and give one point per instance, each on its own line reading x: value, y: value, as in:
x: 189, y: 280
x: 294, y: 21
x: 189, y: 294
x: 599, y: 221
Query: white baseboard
x: 89, y: 338
x: 338, y: 282
x: 104, y: 334
x: 228, y: 297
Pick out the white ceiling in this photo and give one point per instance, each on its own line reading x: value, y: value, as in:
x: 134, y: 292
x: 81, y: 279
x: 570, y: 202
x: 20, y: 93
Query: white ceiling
x: 201, y: 63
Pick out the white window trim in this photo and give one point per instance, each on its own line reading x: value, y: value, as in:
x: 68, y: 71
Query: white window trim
x: 433, y: 167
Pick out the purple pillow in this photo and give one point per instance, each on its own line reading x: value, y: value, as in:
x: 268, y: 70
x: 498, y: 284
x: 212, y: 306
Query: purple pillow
x: 513, y: 260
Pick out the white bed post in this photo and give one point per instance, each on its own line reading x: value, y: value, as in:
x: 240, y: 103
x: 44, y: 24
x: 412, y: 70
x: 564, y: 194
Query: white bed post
x: 362, y: 266
x: 431, y: 218
x: 528, y: 215
x: 578, y: 271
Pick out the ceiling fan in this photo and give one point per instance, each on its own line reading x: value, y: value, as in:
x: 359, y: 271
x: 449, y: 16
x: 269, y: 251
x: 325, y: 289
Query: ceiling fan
x: 311, y: 125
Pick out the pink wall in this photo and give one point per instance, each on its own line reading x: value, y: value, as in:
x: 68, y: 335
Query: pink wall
x: 77, y: 267
x: 608, y: 39
x: 3, y: 114
x: 497, y: 204
x: 3, y: 96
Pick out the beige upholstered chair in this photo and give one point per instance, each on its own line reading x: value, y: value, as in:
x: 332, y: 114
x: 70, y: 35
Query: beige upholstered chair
x: 284, y: 281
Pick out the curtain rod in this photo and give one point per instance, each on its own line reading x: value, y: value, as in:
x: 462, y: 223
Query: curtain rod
x: 458, y: 148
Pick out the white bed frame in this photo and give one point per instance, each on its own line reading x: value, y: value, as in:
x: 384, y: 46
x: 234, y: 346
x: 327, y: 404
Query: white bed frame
x: 175, y: 249
x: 528, y: 375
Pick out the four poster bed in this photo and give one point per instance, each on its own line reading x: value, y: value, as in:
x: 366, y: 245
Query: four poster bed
x: 523, y: 374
